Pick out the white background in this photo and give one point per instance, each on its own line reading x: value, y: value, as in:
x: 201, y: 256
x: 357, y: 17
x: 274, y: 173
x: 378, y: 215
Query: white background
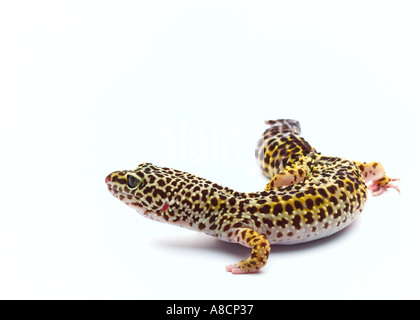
x: 90, y: 87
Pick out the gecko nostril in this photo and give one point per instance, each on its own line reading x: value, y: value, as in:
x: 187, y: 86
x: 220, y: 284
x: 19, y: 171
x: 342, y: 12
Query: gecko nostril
x: 108, y: 178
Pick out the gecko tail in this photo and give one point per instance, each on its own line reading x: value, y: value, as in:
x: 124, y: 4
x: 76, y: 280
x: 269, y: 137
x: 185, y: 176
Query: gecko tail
x: 285, y: 125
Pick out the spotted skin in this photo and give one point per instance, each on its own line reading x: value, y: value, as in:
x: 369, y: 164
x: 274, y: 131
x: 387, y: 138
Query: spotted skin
x: 309, y: 196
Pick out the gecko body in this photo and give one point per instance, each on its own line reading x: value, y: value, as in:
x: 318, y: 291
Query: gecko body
x: 309, y: 196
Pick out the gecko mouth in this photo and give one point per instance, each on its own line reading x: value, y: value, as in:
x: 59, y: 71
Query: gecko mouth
x: 114, y: 190
x: 118, y: 193
x: 127, y: 199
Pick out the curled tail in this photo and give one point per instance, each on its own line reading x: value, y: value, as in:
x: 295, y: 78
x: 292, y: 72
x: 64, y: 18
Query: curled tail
x: 281, y: 145
x: 284, y: 125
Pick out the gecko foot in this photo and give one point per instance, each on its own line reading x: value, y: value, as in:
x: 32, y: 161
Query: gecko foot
x: 378, y: 187
x: 237, y: 269
x: 259, y: 255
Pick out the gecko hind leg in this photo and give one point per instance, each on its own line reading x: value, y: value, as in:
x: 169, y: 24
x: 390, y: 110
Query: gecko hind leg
x: 259, y: 255
x: 378, y: 187
x: 290, y: 175
x: 375, y: 172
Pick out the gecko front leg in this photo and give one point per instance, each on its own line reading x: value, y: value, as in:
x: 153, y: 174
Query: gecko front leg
x: 259, y: 255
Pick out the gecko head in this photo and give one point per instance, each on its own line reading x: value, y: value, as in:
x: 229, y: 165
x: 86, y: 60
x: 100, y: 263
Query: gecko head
x: 141, y: 189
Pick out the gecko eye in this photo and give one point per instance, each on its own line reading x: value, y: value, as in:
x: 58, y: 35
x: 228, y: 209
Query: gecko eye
x: 132, y: 182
